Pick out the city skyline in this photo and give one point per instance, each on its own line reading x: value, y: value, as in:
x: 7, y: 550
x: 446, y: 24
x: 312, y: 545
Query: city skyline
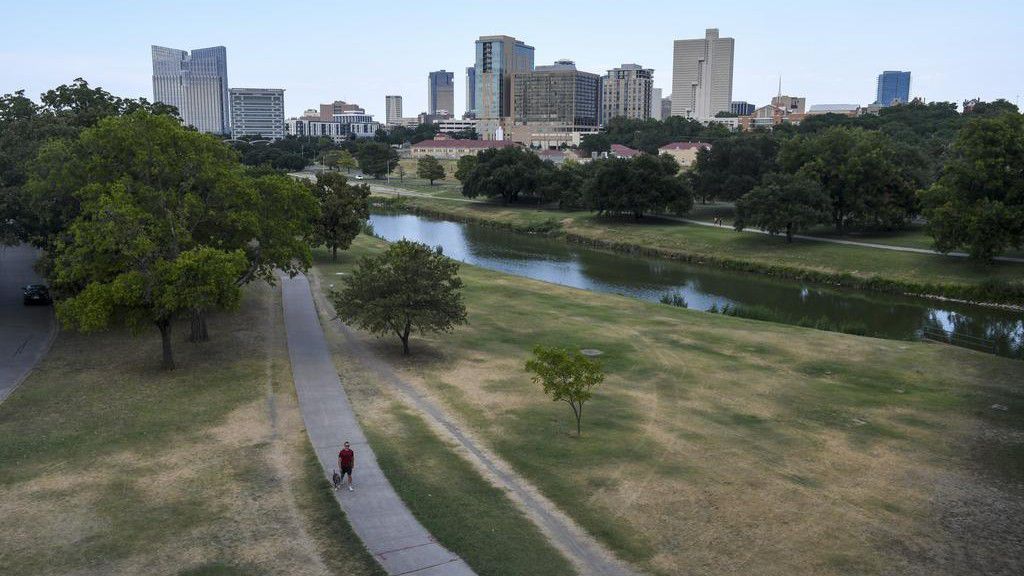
x: 825, y: 59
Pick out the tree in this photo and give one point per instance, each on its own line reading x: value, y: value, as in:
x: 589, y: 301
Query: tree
x: 465, y: 165
x: 978, y: 202
x: 566, y: 376
x: 409, y: 288
x: 376, y: 158
x: 139, y: 247
x: 733, y: 166
x: 783, y: 203
x: 400, y: 170
x: 347, y: 161
x: 637, y: 186
x: 344, y: 209
x: 506, y: 173
x: 429, y: 168
x: 871, y: 179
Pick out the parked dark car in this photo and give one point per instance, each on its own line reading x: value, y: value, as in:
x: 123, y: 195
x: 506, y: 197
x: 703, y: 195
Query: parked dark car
x: 37, y: 294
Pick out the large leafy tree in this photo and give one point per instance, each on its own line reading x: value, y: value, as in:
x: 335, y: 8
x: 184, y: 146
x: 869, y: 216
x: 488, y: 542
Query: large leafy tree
x: 733, y: 166
x: 783, y: 204
x: 465, y: 166
x: 429, y: 168
x: 26, y: 126
x: 871, y: 179
x: 376, y: 158
x: 507, y: 173
x: 566, y: 376
x: 408, y: 288
x: 344, y: 209
x: 638, y: 186
x: 978, y: 202
x: 154, y: 204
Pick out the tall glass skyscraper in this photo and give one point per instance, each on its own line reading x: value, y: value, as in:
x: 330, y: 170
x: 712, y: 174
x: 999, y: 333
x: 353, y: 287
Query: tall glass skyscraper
x: 196, y: 84
x: 893, y: 88
x: 471, y: 91
x: 441, y: 92
x: 497, y: 58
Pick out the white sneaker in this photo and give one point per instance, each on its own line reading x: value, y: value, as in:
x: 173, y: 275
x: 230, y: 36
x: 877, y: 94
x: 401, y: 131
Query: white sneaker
x: 350, y: 488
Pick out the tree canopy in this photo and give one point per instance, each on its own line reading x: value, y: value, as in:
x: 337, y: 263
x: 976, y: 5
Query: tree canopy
x: 376, y: 158
x: 783, y: 203
x: 638, y: 186
x: 429, y: 168
x: 344, y: 209
x: 566, y: 376
x: 507, y: 173
x: 978, y: 202
x: 408, y: 288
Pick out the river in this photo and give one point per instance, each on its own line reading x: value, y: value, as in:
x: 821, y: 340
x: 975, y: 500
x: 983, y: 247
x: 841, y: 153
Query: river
x: 553, y: 260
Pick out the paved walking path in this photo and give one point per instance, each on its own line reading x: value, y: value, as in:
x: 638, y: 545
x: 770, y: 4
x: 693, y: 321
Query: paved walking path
x: 387, y: 528
x: 26, y: 332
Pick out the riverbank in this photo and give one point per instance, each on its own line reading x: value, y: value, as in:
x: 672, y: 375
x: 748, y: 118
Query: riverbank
x: 109, y: 465
x: 720, y: 444
x: 864, y: 268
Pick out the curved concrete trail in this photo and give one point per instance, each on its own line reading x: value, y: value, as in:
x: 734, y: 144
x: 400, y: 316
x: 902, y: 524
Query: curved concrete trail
x: 380, y: 518
x: 26, y: 332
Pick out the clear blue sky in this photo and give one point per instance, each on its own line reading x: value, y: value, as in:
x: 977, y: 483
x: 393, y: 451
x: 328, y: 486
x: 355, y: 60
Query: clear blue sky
x: 829, y: 52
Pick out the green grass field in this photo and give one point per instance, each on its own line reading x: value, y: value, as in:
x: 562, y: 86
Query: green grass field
x: 109, y: 465
x: 762, y: 253
x: 723, y: 445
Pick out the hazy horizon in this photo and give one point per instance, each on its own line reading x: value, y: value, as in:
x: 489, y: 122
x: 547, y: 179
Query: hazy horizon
x: 830, y: 53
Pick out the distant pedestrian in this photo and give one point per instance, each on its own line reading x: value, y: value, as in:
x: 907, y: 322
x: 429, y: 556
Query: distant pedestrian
x: 346, y: 459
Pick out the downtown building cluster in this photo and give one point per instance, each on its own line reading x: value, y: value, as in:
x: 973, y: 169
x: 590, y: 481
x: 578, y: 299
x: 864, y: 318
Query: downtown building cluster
x: 196, y: 83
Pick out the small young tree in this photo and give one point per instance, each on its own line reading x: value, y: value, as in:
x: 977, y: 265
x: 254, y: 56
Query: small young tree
x: 347, y: 161
x: 566, y: 376
x: 409, y: 288
x: 429, y: 168
x: 344, y: 208
x: 783, y: 203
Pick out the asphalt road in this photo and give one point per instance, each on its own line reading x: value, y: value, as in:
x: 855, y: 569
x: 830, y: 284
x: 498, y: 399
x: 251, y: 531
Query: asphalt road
x: 25, y: 331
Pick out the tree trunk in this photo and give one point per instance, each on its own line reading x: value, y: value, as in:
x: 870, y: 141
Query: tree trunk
x: 579, y: 419
x: 165, y: 339
x: 789, y: 233
x: 405, y: 339
x: 197, y: 328
x: 334, y: 253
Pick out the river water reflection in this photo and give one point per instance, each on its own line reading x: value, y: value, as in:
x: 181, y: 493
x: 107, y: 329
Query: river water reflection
x: 702, y: 287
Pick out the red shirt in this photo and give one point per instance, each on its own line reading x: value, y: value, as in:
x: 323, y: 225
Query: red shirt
x: 346, y: 457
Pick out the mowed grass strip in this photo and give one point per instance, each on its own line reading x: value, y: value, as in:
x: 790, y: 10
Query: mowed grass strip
x: 693, y: 240
x: 109, y: 465
x: 724, y: 445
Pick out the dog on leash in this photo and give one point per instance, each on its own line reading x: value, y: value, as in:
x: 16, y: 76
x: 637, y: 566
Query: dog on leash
x: 336, y: 480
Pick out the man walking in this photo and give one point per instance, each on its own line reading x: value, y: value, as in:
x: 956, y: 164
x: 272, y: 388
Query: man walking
x: 346, y: 458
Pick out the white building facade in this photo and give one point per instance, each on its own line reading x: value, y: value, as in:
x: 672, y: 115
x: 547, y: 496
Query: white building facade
x: 392, y: 110
x: 257, y: 112
x: 196, y: 84
x: 702, y: 71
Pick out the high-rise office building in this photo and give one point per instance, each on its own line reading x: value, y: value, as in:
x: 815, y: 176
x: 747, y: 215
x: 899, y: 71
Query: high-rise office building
x: 741, y: 108
x: 666, y: 107
x: 554, y: 105
x: 393, y: 110
x: 471, y: 91
x: 656, y: 104
x: 893, y: 88
x: 627, y: 92
x: 497, y: 58
x: 196, y: 84
x: 702, y: 76
x: 257, y: 112
x: 440, y: 92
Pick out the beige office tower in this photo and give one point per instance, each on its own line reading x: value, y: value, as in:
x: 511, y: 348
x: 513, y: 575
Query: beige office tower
x: 627, y: 92
x: 702, y: 76
x: 497, y: 59
x: 393, y: 110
